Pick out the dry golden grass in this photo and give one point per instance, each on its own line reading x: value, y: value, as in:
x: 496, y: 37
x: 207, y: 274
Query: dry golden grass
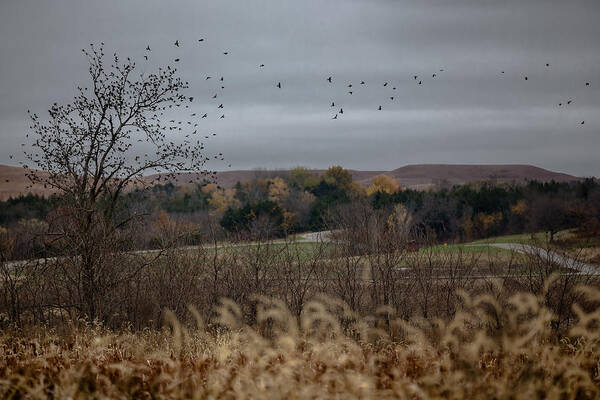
x: 485, y: 351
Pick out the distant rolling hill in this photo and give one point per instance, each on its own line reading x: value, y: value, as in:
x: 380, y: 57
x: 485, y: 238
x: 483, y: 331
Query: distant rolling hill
x: 13, y: 181
x: 418, y: 176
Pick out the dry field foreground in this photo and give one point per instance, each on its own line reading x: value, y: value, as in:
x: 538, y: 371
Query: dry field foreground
x: 486, y: 351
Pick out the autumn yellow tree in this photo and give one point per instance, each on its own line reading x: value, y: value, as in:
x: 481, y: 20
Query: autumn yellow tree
x: 278, y: 190
x: 221, y: 200
x: 384, y: 184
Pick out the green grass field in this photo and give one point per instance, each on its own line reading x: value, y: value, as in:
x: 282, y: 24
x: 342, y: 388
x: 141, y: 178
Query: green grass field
x: 465, y: 249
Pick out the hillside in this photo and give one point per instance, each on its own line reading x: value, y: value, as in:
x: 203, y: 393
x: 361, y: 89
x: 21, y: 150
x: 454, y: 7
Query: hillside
x: 13, y: 181
x: 418, y: 176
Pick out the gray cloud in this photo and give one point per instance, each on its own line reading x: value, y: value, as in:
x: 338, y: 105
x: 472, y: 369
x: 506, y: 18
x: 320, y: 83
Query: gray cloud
x: 469, y: 113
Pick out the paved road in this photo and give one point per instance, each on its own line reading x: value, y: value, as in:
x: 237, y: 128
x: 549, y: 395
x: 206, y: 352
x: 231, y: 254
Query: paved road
x: 325, y: 236
x: 552, y: 256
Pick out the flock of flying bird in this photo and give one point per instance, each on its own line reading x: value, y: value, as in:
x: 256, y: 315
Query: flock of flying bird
x: 351, y: 89
x: 419, y: 80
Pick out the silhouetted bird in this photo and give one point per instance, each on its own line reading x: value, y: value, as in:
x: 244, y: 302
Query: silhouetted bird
x: 394, y: 88
x: 501, y: 72
x: 225, y: 52
x: 191, y: 99
x: 215, y: 96
x: 261, y: 65
x: 433, y: 76
x: 332, y: 104
x: 526, y: 78
x: 582, y: 122
x: 415, y: 77
x: 350, y: 92
x: 329, y: 79
x: 335, y: 117
x: 204, y: 116
x: 148, y: 48
x: 177, y: 60
x: 146, y: 57
x: 221, y: 79
x: 177, y: 43
x: 279, y: 85
x: 222, y: 116
x: 587, y: 84
x: 201, y: 40
x: 392, y: 98
x: 420, y: 82
x: 379, y: 108
x: 208, y: 77
x: 560, y: 104
x: 362, y: 82
x: 350, y: 85
x: 569, y: 102
x: 385, y: 84
x: 341, y: 110
x: 220, y: 106
x: 547, y: 65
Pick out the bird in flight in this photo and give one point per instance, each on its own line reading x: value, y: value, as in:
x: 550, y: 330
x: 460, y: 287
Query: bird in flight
x: 341, y: 110
x: 582, y: 122
x: 329, y: 79
x: 177, y: 43
x: 222, y: 116
x: 569, y: 102
x: 335, y: 117
x: 191, y: 99
x: 148, y: 48
x: 350, y: 85
x: 201, y: 40
x: 587, y: 84
x: 433, y: 76
x: 415, y: 77
x: 350, y: 92
x: 279, y: 85
x: 261, y: 65
x: 204, y: 116
x: 220, y: 106
x: 420, y: 82
x: 379, y: 109
x: 215, y: 96
x: 526, y: 78
x: 225, y: 52
x: 177, y: 60
x: 332, y: 104
x: 385, y: 84
x: 547, y: 64
x: 146, y: 57
x: 362, y: 82
x: 208, y: 77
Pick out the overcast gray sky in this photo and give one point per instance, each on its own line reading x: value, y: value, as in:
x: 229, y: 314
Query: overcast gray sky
x: 469, y: 113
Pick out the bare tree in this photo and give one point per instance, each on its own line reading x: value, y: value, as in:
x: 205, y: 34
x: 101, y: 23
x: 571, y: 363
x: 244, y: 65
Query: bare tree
x: 92, y: 152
